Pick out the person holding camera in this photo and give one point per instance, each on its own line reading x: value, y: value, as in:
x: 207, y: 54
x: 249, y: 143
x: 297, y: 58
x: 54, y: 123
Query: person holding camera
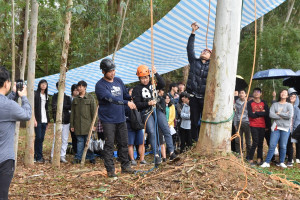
x: 196, y: 82
x: 10, y: 113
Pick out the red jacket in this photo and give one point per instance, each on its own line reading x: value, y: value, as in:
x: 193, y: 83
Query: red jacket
x: 257, y: 113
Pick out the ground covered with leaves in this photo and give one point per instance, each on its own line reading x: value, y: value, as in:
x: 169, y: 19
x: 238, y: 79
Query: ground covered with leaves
x: 193, y: 177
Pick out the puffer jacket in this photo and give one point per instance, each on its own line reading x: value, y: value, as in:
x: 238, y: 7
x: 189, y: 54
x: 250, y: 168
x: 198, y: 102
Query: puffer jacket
x: 196, y: 82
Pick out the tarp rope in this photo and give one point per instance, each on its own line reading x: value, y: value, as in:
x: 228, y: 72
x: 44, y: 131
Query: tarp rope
x: 224, y: 121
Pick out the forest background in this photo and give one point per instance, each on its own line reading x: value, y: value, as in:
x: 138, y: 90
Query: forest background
x: 96, y: 25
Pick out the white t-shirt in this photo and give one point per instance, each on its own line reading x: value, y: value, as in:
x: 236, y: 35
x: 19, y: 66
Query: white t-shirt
x: 43, y: 106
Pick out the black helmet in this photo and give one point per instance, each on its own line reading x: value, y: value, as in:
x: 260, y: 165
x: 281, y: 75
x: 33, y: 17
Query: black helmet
x: 107, y: 65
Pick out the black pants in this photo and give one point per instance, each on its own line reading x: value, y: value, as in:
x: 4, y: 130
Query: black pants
x: 7, y: 169
x: 298, y: 150
x: 245, y: 130
x: 118, y: 132
x: 74, y: 142
x: 185, y: 138
x: 289, y: 150
x: 257, y: 142
x: 196, y: 108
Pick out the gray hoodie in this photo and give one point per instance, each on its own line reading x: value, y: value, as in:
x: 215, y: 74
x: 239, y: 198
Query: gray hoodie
x: 185, y: 117
x: 284, y: 118
x: 238, y: 112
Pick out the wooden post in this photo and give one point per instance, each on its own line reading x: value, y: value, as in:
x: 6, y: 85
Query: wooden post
x: 218, y: 102
x: 88, y: 138
x: 22, y: 70
x: 29, y: 153
x: 61, y: 86
x: 13, y: 51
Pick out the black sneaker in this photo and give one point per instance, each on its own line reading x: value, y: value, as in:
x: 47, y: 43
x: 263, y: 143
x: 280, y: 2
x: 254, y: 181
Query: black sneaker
x: 76, y: 161
x: 111, y: 174
x: 93, y: 161
x: 157, y: 160
x: 164, y: 160
x: 40, y: 160
x: 173, y: 157
x: 128, y: 170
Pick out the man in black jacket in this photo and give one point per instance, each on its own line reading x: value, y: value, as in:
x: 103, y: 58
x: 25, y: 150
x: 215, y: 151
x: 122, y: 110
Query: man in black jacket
x: 196, y: 83
x: 65, y: 124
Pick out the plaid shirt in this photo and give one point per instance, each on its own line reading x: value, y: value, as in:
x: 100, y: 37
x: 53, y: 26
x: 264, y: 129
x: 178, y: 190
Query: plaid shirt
x: 99, y: 127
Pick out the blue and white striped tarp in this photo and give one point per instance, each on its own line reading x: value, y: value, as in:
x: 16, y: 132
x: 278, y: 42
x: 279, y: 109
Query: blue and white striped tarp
x: 170, y: 38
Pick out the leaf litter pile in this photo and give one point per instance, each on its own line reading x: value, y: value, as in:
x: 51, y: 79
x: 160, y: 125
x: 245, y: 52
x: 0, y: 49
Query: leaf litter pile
x: 193, y: 177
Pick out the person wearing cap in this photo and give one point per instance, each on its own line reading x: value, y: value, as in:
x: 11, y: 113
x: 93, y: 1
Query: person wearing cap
x: 112, y: 96
x: 196, y: 82
x: 144, y: 99
x: 294, y: 99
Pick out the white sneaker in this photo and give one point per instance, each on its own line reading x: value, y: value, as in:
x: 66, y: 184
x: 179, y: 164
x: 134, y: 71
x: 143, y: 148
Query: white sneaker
x: 276, y: 151
x: 281, y: 165
x: 293, y: 161
x: 63, y: 160
x: 265, y: 165
x: 298, y: 161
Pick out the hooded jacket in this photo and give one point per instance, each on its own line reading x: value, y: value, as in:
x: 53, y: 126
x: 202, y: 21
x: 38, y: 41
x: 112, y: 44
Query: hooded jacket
x: 196, y: 82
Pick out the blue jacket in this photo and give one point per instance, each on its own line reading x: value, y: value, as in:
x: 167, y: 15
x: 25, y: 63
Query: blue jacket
x: 296, y: 118
x: 196, y: 82
x: 112, y: 96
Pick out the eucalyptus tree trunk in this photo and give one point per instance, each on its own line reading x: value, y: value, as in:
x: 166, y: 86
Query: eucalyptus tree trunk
x: 13, y: 52
x: 218, y: 102
x: 185, y: 73
x: 22, y: 72
x: 29, y: 153
x: 61, y: 86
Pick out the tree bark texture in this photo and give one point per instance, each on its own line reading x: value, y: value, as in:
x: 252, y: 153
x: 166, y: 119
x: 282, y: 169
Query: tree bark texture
x: 22, y: 70
x: 13, y: 50
x: 29, y: 153
x: 218, y: 102
x: 61, y: 86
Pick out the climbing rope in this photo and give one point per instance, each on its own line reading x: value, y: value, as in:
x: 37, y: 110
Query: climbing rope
x: 121, y: 32
x: 207, y: 24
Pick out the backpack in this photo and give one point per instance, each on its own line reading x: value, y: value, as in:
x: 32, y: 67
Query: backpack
x: 136, y: 122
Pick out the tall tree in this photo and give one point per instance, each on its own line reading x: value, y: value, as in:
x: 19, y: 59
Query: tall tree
x: 22, y: 73
x: 61, y: 86
x: 29, y: 153
x: 13, y: 52
x: 214, y: 137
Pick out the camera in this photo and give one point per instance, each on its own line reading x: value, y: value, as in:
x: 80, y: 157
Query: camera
x: 19, y: 85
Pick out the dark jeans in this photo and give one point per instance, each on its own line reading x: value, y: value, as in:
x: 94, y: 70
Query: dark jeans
x: 74, y: 142
x: 7, y: 169
x: 81, y: 141
x: 196, y: 108
x: 118, y: 132
x: 39, y: 139
x: 245, y: 130
x: 257, y: 142
x: 185, y: 138
x: 289, y: 150
x: 298, y: 150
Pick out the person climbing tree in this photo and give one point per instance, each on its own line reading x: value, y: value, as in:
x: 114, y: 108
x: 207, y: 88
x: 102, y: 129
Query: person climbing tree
x: 196, y: 83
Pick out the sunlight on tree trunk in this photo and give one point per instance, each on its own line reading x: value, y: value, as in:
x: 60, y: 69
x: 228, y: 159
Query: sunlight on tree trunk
x: 218, y: 102
x: 29, y: 152
x: 61, y: 86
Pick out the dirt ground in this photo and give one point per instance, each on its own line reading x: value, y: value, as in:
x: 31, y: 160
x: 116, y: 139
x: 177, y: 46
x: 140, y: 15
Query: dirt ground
x: 193, y: 177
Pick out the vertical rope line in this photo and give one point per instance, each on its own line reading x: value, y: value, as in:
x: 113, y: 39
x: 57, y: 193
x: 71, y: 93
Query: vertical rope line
x: 152, y: 47
x: 207, y: 23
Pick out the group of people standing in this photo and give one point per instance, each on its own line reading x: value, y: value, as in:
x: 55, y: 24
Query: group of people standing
x: 257, y: 122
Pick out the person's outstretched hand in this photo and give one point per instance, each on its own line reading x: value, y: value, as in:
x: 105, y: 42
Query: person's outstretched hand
x: 194, y: 27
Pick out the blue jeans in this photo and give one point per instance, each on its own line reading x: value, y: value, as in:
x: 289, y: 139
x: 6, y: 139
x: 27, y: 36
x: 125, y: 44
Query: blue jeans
x: 39, y: 139
x: 282, y: 137
x: 81, y: 140
x: 163, y: 125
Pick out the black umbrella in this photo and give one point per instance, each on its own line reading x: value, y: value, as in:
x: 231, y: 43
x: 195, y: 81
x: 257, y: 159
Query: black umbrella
x: 293, y: 81
x: 240, y: 83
